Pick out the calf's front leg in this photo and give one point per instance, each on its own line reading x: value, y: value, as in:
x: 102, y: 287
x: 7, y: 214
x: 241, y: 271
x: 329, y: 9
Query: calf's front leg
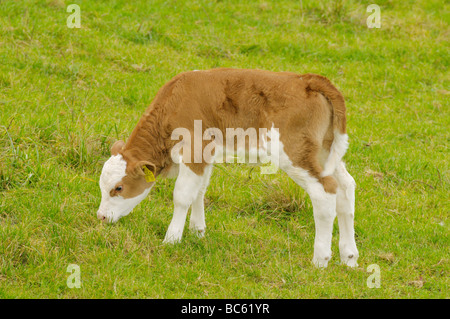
x: 186, y: 190
x: 197, y: 222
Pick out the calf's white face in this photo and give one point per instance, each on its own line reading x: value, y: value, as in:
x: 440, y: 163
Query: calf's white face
x: 121, y: 192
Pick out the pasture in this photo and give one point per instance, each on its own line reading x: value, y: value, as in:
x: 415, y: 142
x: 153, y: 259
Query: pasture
x: 66, y: 94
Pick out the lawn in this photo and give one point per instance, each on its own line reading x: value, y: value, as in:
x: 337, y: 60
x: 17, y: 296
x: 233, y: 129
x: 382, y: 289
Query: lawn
x: 66, y: 94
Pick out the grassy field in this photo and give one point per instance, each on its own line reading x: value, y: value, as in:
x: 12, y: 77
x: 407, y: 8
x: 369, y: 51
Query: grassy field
x: 66, y: 94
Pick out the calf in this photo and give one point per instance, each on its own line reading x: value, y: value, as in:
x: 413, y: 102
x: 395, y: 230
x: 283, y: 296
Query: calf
x: 303, y: 124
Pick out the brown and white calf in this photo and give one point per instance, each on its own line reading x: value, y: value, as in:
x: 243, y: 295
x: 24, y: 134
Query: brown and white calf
x: 308, y: 113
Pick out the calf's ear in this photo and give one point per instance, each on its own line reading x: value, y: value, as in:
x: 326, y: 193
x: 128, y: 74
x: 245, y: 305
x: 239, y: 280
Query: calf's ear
x: 146, y: 169
x: 117, y: 147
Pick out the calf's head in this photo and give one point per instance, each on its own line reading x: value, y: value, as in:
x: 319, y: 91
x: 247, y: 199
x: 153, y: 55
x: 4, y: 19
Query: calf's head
x: 123, y: 185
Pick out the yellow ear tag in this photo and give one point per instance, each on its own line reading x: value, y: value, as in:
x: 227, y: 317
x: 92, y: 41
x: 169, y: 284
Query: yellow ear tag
x: 149, y: 177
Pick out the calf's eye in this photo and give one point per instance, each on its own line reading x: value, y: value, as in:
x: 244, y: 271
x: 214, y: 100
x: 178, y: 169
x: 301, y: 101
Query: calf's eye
x: 118, y: 188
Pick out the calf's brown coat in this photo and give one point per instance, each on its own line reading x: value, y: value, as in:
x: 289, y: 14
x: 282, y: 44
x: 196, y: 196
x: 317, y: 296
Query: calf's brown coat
x: 307, y: 109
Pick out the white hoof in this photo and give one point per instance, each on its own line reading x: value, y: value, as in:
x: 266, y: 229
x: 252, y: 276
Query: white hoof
x: 171, y: 239
x: 321, y: 262
x: 349, y: 255
x: 351, y: 260
x: 200, y: 233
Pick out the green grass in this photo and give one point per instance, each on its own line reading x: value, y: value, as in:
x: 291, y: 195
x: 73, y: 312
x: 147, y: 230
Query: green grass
x: 67, y: 94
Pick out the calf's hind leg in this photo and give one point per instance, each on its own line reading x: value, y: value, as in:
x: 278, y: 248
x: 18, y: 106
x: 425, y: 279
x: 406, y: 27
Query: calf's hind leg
x: 324, y: 208
x: 345, y: 208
